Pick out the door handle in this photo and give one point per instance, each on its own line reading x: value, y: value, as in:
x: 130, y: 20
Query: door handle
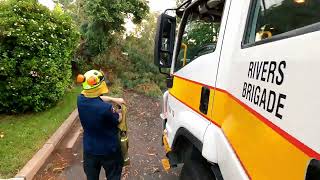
x: 204, y: 100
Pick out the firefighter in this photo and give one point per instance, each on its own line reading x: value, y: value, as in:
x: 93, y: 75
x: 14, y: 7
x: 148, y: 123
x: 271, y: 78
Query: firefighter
x: 99, y: 119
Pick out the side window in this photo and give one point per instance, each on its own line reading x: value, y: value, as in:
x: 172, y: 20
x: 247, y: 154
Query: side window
x: 269, y: 18
x: 199, y: 38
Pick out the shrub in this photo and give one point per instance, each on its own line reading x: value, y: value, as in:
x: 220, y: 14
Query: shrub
x: 143, y: 70
x: 36, y: 45
x: 150, y: 89
x: 130, y: 60
x: 116, y: 89
x: 133, y: 65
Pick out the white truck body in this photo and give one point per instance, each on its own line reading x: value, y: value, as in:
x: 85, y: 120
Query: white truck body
x: 267, y: 131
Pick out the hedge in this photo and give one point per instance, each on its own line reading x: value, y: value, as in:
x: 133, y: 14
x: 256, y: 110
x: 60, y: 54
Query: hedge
x: 36, y: 47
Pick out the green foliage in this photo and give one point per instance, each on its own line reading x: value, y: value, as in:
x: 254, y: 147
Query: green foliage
x: 36, y: 47
x: 199, y: 34
x: 141, y: 69
x: 24, y: 134
x: 138, y: 71
x: 150, y: 89
x: 106, y: 17
x: 103, y: 47
x: 116, y: 90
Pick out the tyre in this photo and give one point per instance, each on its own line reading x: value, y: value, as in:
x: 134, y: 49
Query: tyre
x: 196, y: 169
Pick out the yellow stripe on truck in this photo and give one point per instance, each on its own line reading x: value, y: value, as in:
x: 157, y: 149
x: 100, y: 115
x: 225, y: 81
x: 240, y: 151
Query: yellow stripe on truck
x: 265, y: 151
x: 190, y: 93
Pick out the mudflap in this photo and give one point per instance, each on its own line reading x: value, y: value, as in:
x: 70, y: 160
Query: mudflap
x: 171, y: 159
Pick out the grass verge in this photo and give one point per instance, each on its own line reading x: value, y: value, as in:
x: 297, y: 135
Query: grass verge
x: 23, y: 135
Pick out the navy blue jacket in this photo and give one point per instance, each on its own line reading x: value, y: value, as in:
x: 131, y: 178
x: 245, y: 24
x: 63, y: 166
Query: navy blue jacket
x: 100, y: 125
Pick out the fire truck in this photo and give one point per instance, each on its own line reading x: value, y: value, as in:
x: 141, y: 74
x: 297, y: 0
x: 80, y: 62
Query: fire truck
x: 243, y: 96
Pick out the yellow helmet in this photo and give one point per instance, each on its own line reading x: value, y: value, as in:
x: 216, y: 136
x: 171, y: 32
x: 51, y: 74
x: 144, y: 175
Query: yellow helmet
x: 93, y: 83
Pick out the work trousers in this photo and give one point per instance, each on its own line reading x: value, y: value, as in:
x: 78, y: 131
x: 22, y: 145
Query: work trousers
x: 112, y: 164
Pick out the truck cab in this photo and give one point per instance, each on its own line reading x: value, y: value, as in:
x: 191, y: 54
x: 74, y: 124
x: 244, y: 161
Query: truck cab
x: 243, y: 98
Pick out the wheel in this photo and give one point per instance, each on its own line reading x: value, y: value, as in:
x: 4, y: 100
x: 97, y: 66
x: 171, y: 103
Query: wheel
x: 196, y: 169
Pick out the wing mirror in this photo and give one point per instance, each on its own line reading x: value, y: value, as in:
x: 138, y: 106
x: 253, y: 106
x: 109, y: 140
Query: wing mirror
x: 164, y: 41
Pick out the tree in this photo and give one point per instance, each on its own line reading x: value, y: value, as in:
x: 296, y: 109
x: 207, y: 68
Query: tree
x: 36, y: 47
x: 198, y: 34
x: 105, y: 18
x: 140, y: 72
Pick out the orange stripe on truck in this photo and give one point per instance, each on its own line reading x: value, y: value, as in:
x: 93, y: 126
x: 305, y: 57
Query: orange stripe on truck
x: 264, y: 150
